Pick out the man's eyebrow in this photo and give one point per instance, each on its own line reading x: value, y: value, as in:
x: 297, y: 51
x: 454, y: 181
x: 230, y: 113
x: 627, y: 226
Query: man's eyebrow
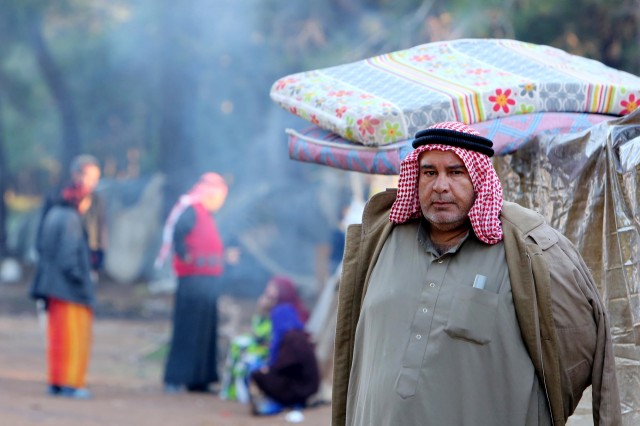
x: 452, y: 167
x: 457, y: 167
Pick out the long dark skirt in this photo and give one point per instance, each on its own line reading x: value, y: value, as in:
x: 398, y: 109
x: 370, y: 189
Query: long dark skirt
x: 193, y: 354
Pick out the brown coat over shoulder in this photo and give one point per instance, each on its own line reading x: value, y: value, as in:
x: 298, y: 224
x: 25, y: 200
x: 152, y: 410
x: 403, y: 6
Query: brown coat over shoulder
x: 560, y: 313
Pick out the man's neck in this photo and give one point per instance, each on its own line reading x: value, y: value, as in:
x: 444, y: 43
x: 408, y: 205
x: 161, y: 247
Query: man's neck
x: 443, y: 240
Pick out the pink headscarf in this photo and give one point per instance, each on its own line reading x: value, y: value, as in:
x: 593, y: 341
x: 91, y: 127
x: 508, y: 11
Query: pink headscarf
x: 485, y: 212
x: 287, y: 293
x: 208, y: 184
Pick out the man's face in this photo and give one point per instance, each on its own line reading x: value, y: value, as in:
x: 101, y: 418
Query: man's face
x: 87, y: 178
x: 445, y: 190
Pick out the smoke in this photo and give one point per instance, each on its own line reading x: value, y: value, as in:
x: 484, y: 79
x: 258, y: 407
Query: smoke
x: 275, y: 212
x: 185, y: 85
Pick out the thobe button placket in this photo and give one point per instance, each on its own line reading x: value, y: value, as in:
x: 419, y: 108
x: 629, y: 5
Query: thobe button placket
x: 419, y: 332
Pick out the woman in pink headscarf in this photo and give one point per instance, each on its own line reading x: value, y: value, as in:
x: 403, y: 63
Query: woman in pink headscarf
x: 252, y: 351
x: 282, y: 290
x: 198, y: 262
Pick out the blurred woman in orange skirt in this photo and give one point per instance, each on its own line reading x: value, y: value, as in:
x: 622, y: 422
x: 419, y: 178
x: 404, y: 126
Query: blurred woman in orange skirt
x: 64, y: 281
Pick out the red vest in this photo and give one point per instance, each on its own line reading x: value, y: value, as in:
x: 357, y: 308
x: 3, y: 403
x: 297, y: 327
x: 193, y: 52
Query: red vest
x: 204, y: 248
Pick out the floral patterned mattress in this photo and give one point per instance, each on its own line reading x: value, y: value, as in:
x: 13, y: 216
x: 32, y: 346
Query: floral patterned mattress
x: 386, y: 99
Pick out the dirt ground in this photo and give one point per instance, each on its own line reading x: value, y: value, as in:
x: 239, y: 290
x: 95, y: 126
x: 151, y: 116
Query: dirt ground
x: 130, y: 331
x: 125, y: 371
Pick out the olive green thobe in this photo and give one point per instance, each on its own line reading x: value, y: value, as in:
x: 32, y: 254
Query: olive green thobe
x: 431, y: 349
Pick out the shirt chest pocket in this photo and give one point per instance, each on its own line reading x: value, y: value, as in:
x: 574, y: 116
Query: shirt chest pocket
x: 473, y: 315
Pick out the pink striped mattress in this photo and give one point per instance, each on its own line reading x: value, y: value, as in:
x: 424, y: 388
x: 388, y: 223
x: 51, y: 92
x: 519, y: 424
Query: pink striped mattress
x: 320, y: 146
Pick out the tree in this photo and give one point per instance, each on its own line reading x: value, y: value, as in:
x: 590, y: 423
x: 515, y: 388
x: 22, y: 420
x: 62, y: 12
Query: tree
x: 4, y: 178
x: 179, y: 87
x: 59, y: 89
x: 32, y: 14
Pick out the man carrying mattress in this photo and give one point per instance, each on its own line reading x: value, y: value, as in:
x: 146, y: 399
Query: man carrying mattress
x: 459, y: 308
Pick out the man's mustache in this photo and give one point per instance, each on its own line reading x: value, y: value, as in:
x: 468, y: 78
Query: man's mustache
x: 442, y: 200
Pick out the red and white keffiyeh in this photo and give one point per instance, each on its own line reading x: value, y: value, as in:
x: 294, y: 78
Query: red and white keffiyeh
x: 208, y: 183
x: 485, y: 212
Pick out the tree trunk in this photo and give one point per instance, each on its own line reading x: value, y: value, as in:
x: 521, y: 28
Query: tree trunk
x: 4, y: 177
x: 178, y: 85
x: 59, y: 91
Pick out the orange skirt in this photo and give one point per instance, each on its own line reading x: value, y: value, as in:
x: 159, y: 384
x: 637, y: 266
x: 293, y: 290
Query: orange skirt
x: 69, y: 338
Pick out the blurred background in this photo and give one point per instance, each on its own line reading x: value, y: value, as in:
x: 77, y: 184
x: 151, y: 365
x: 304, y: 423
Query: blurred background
x: 161, y: 91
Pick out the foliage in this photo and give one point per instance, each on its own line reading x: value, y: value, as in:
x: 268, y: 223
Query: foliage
x: 115, y: 55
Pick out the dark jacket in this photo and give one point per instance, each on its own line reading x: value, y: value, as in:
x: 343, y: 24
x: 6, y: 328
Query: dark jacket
x: 64, y: 270
x: 293, y: 376
x: 93, y: 220
x: 560, y: 314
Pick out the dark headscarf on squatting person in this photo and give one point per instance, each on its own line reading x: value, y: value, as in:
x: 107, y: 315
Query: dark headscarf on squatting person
x: 474, y: 151
x: 287, y: 293
x: 284, y: 318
